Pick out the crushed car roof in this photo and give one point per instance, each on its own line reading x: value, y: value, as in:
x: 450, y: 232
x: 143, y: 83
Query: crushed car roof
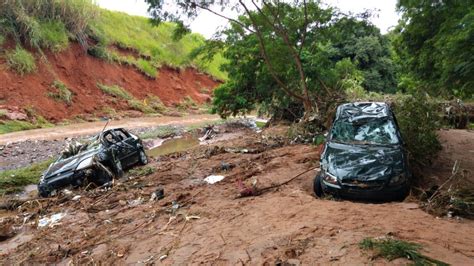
x: 362, y: 110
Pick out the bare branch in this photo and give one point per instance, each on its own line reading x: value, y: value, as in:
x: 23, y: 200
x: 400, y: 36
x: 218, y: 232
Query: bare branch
x: 225, y: 17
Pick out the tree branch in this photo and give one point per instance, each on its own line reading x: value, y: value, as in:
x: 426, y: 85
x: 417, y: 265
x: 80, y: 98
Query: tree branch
x: 266, y: 58
x: 225, y: 17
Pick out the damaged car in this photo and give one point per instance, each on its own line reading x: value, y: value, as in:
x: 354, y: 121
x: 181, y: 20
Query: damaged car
x: 364, y: 156
x: 97, y: 160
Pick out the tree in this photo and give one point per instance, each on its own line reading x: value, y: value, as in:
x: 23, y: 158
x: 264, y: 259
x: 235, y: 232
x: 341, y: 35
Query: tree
x: 280, y: 29
x: 435, y: 43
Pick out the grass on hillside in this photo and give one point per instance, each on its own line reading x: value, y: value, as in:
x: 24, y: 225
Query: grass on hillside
x: 54, y: 35
x: 152, y: 42
x: 9, y: 126
x: 21, y: 61
x: 63, y: 93
x: 391, y: 249
x: 149, y: 105
x: 14, y: 180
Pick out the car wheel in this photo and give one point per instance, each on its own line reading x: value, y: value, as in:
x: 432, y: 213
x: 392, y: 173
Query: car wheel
x: 142, y: 158
x: 404, y: 193
x: 102, y: 176
x: 43, y: 190
x: 317, y: 187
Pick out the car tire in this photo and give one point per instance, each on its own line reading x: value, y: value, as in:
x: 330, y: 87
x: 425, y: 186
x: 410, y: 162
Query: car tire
x: 404, y: 193
x: 43, y: 190
x: 142, y: 157
x: 103, y: 176
x: 317, y: 187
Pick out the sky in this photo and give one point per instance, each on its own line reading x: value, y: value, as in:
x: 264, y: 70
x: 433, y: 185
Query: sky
x: 206, y: 23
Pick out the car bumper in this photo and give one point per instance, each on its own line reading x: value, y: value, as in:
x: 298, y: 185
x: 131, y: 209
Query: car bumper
x: 385, y: 193
x: 49, y: 184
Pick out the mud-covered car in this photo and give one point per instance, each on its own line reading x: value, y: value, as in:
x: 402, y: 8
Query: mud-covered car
x: 363, y: 156
x: 97, y: 160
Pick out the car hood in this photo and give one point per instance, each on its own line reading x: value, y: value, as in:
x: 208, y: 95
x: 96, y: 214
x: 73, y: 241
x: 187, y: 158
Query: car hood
x: 364, y: 162
x: 68, y: 164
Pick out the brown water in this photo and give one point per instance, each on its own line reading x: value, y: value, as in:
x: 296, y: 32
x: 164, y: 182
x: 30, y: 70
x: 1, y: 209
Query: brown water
x: 174, y: 145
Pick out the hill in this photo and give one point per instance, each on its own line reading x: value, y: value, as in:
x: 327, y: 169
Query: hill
x: 71, y: 60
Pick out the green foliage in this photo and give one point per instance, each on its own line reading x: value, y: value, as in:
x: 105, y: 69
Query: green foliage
x: 434, y: 43
x: 115, y: 91
x: 15, y: 125
x: 140, y: 106
x: 155, y: 44
x: 146, y: 67
x: 43, y: 22
x: 418, y: 120
x: 14, y: 180
x: 391, y: 249
x: 21, y: 61
x: 142, y: 171
x: 54, y: 35
x: 101, y: 52
x: 63, y: 93
x: 155, y: 103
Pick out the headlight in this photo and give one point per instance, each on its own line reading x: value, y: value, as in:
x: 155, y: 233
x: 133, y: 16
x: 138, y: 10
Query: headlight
x: 397, y: 180
x: 85, y: 164
x: 331, y: 179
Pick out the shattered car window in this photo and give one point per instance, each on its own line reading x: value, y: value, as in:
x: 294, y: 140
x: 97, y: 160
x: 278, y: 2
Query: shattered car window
x: 76, y: 147
x: 363, y: 131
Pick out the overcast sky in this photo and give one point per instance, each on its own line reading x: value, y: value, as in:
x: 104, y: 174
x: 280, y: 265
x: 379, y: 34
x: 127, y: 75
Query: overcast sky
x: 206, y: 24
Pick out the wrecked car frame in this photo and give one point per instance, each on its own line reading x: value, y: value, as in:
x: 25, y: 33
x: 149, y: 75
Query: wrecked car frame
x: 98, y: 160
x: 363, y: 156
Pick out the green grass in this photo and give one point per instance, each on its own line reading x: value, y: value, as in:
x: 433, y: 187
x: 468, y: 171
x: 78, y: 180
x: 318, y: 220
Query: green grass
x: 146, y: 67
x: 160, y: 132
x: 142, y: 171
x: 115, y: 91
x: 53, y: 35
x: 15, y: 125
x: 260, y: 124
x: 14, y: 180
x: 152, y: 42
x: 391, y: 249
x: 63, y: 93
x: 21, y: 61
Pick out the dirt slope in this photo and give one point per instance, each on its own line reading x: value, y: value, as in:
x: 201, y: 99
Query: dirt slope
x: 285, y: 224
x: 81, y: 73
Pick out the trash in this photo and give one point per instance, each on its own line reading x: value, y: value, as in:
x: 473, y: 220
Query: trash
x: 210, y: 133
x: 163, y: 257
x: 76, y: 198
x: 157, y: 195
x: 136, y: 202
x: 192, y: 217
x: 226, y: 166
x: 51, y: 221
x: 213, y: 179
x: 175, y: 205
x: 247, y: 190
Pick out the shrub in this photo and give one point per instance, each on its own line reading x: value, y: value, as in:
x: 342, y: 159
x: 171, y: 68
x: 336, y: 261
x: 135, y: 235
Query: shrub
x: 140, y: 106
x: 418, y: 120
x: 63, y: 93
x: 53, y: 35
x: 21, y: 61
x: 101, y: 52
x: 115, y: 91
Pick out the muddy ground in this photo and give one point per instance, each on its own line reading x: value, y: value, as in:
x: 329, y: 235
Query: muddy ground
x: 197, y: 222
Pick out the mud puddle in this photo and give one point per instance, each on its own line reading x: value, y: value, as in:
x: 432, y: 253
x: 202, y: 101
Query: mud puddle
x: 174, y: 145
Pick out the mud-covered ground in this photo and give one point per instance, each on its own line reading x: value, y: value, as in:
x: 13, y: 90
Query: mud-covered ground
x: 197, y: 222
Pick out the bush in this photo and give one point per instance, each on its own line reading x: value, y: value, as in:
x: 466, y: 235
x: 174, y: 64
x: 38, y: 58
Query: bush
x: 418, y: 120
x: 101, y: 52
x: 140, y: 106
x: 63, y: 93
x: 53, y: 36
x: 21, y: 61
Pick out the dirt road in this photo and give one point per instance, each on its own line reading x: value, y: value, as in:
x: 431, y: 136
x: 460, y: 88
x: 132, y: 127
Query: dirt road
x: 201, y: 223
x: 82, y: 129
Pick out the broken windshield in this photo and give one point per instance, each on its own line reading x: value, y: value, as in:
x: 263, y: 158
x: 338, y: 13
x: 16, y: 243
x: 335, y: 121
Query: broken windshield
x: 365, y: 131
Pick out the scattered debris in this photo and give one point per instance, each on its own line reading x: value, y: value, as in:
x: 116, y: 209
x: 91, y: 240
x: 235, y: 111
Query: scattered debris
x: 212, y: 179
x: 158, y: 194
x: 51, y: 221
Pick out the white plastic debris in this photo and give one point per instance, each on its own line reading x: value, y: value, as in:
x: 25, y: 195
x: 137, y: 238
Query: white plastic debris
x: 77, y: 197
x: 213, y: 179
x: 51, y: 221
